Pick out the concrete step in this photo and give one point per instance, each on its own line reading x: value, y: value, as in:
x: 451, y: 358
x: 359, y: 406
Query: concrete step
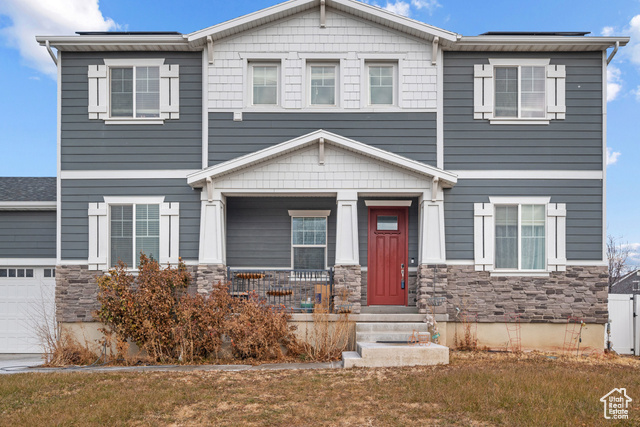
x: 405, y: 327
x: 383, y: 336
x: 383, y: 355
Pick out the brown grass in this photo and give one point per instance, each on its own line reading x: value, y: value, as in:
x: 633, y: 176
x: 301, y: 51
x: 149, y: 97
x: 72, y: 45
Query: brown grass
x: 475, y: 389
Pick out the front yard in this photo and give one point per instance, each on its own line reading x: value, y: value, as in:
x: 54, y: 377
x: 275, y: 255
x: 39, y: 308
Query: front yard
x: 475, y: 389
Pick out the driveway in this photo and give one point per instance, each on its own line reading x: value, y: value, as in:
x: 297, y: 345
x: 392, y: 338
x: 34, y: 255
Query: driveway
x: 14, y: 362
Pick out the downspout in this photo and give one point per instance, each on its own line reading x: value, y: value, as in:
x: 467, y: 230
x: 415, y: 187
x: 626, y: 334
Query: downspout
x: 615, y: 50
x: 53, y: 55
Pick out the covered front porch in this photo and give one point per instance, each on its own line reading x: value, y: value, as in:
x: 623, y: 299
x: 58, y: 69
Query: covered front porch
x: 323, y: 222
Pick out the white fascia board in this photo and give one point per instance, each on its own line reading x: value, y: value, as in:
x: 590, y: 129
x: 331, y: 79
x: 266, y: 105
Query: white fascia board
x: 288, y: 8
x: 536, y: 43
x: 28, y: 206
x: 108, y: 42
x: 27, y: 262
x: 197, y: 179
x: 528, y: 174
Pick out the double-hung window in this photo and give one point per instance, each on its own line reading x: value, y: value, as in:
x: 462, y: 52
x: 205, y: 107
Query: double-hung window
x: 520, y: 92
x: 381, y: 79
x: 322, y: 84
x: 135, y: 92
x: 520, y: 237
x: 264, y: 84
x: 135, y: 229
x: 309, y: 242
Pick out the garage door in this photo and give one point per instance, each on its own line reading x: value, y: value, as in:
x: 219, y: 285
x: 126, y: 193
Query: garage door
x: 26, y: 305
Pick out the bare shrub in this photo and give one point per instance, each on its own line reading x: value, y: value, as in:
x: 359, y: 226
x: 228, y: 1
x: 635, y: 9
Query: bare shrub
x: 66, y: 350
x: 327, y: 339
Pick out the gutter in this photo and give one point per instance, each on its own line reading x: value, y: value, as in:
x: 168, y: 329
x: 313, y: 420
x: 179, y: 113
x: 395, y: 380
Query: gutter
x: 55, y: 59
x: 615, y: 50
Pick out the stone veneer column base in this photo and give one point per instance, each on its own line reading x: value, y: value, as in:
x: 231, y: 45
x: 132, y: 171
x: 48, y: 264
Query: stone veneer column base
x: 209, y: 274
x: 347, y: 282
x: 432, y: 282
x: 76, y: 293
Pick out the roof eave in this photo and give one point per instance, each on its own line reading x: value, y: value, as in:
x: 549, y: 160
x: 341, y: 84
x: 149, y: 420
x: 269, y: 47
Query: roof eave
x: 111, y: 42
x: 536, y: 42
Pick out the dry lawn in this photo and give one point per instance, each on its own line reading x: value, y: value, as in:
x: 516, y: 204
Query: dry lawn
x: 475, y: 389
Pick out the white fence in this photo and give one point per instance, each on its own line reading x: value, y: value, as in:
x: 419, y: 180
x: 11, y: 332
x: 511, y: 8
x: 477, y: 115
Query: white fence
x: 624, y: 321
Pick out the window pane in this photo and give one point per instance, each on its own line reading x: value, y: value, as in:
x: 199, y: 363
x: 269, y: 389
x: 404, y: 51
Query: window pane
x: 122, y: 92
x: 47, y: 272
x: 533, y: 237
x: 122, y: 234
x: 21, y: 272
x: 533, y: 99
x: 12, y: 272
x: 387, y: 223
x: 28, y: 272
x: 323, y: 85
x: 147, y: 231
x: 506, y: 237
x: 308, y: 258
x: 265, y: 85
x: 506, y: 92
x: 381, y: 85
x: 3, y: 272
x: 147, y: 92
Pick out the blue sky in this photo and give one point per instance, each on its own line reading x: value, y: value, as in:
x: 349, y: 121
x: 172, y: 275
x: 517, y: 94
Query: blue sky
x: 28, y: 88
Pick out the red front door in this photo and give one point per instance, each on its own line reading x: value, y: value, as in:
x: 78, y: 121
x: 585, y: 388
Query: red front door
x: 387, y: 256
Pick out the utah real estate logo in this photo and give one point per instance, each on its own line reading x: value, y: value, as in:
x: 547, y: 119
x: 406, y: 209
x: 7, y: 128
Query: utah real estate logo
x: 615, y: 404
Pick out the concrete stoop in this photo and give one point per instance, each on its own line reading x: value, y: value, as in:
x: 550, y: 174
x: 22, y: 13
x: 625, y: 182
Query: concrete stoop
x: 370, y: 353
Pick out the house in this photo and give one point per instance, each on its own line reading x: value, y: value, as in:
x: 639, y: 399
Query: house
x: 627, y: 284
x: 418, y: 168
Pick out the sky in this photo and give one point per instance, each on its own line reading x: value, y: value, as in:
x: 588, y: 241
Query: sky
x: 28, y: 86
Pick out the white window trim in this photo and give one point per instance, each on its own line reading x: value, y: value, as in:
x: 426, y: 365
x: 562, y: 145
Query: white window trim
x: 484, y: 91
x: 509, y: 63
x: 336, y: 89
x: 366, y: 82
x: 311, y: 214
x: 133, y: 205
x: 279, y: 88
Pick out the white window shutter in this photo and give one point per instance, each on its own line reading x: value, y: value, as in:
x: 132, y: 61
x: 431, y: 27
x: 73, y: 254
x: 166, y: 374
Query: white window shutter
x: 482, y: 91
x: 556, y: 236
x: 169, y: 91
x: 556, y: 107
x: 98, y: 236
x: 97, y: 75
x: 483, y: 232
x: 169, y: 232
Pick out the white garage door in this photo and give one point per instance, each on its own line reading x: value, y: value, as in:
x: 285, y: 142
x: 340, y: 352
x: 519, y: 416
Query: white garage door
x: 26, y: 305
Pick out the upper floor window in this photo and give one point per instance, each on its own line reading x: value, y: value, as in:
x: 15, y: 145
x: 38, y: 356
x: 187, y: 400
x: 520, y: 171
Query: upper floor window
x: 381, y: 84
x: 134, y: 91
x: 264, y: 87
x: 520, y: 92
x: 323, y: 88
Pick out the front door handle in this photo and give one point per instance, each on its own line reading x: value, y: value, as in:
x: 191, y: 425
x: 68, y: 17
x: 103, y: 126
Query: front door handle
x: 402, y: 275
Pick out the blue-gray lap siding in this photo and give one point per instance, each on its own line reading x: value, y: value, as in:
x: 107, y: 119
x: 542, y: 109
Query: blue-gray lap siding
x: 259, y: 229
x: 584, y: 212
x: 412, y: 135
x: 93, y: 145
x: 77, y: 194
x: 574, y: 143
x: 27, y: 234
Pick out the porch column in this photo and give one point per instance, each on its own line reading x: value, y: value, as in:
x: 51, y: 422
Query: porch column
x: 212, y: 257
x: 347, y: 274
x: 431, y: 250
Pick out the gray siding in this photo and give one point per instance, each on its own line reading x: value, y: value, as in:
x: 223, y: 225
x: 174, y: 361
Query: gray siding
x: 259, y: 229
x: 93, y: 145
x: 573, y: 143
x: 27, y: 234
x: 584, y: 212
x: 363, y: 229
x: 77, y: 194
x: 412, y: 135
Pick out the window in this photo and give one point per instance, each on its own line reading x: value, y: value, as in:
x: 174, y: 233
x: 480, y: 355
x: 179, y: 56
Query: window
x: 134, y: 91
x: 513, y: 91
x: 322, y: 84
x: 309, y: 242
x: 131, y: 237
x: 520, y: 237
x: 49, y: 272
x: 381, y: 84
x: 16, y: 272
x: 520, y: 92
x: 264, y: 79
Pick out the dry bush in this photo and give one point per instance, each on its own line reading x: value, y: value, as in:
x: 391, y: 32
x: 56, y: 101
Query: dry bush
x: 328, y: 339
x: 66, y: 350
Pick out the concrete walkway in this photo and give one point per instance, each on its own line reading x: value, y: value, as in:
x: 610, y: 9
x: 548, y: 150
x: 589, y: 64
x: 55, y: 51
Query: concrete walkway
x: 20, y: 364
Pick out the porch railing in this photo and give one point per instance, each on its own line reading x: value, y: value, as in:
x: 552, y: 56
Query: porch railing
x: 301, y: 291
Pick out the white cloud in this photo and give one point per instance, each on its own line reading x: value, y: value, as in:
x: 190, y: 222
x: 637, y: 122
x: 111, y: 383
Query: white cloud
x: 636, y: 93
x: 50, y: 17
x: 612, y: 156
x: 614, y: 82
x: 399, y: 7
x: 633, y: 259
x: 633, y: 48
x: 607, y: 31
x: 429, y: 5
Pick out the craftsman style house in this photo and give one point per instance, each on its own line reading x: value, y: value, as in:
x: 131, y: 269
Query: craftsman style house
x: 410, y: 166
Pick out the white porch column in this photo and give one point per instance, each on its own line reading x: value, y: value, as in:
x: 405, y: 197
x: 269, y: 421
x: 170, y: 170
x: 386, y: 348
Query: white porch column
x: 347, y: 229
x: 212, y: 229
x: 431, y: 226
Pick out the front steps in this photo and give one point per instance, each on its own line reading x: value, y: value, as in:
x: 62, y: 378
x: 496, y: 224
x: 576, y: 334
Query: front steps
x: 370, y: 353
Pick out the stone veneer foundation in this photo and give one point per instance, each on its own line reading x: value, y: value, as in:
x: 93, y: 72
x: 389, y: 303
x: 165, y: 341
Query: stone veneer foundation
x: 209, y: 274
x: 579, y: 291
x: 347, y: 286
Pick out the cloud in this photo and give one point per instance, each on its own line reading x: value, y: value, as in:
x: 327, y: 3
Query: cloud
x: 51, y: 17
x: 399, y: 7
x: 636, y: 92
x: 405, y: 8
x: 614, y: 82
x: 612, y: 156
x: 633, y: 260
x: 607, y: 31
x: 429, y: 5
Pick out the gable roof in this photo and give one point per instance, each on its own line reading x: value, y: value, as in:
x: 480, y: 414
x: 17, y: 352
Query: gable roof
x: 292, y: 7
x: 198, y: 179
